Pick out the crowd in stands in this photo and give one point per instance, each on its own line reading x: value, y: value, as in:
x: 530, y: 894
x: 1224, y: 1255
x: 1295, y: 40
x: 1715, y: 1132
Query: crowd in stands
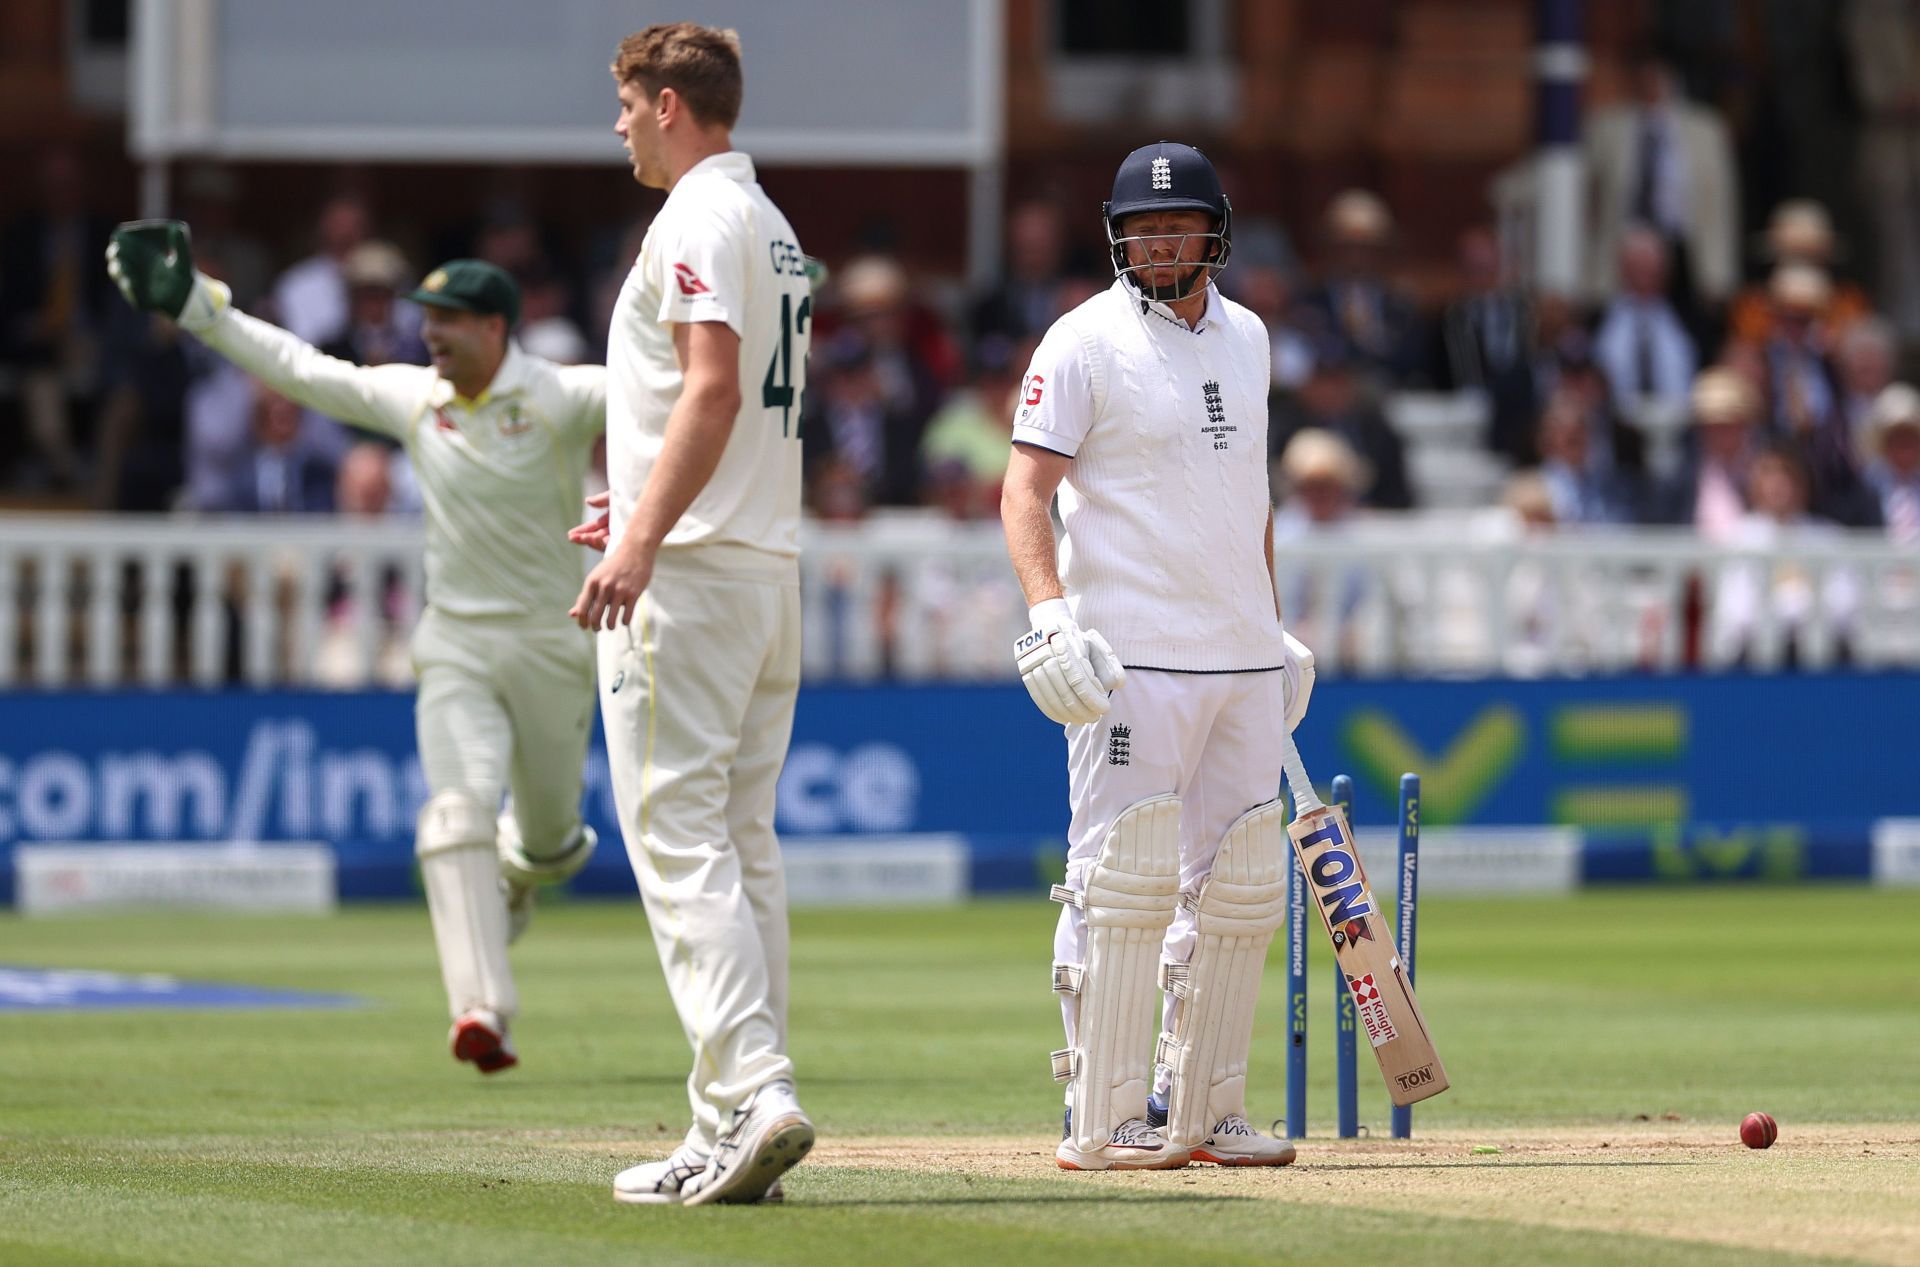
x: 1702, y: 376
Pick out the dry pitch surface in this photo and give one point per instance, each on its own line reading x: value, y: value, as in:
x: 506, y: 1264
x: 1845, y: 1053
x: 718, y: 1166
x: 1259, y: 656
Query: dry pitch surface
x: 1831, y: 1191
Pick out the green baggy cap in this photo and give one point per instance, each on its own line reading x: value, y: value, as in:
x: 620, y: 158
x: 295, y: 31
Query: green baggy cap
x: 471, y: 286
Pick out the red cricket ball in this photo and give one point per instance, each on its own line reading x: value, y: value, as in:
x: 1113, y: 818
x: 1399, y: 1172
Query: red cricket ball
x: 1758, y: 1130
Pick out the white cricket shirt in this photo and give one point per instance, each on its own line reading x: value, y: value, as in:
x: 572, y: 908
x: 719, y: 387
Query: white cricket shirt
x: 1165, y: 503
x: 501, y: 476
x: 719, y: 250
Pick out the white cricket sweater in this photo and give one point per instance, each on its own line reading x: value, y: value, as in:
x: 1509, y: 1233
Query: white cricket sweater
x: 1165, y: 504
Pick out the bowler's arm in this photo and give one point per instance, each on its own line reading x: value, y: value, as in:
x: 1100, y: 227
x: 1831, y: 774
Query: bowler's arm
x: 697, y: 431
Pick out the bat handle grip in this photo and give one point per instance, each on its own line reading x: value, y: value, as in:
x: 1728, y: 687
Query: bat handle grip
x: 1304, y: 798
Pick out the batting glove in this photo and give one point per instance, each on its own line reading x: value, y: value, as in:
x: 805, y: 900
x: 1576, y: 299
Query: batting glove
x: 1299, y: 671
x: 1067, y: 670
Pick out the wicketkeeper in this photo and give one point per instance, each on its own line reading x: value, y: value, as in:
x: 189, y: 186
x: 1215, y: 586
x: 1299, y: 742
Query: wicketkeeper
x: 499, y: 441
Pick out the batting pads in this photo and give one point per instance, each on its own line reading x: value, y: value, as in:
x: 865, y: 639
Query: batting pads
x: 455, y: 844
x: 526, y: 869
x: 1130, y: 895
x: 1236, y: 912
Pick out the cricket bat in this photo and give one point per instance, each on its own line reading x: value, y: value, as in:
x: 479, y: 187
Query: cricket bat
x: 1383, y: 1004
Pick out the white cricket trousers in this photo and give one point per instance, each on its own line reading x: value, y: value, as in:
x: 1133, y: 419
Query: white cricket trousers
x: 697, y: 696
x: 1212, y: 739
x: 505, y: 703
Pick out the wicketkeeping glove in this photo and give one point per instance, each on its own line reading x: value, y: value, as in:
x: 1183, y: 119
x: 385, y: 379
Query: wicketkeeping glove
x: 1067, y: 670
x: 151, y: 261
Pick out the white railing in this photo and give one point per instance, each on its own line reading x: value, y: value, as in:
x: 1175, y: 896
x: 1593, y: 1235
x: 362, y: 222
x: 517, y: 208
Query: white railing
x: 125, y: 600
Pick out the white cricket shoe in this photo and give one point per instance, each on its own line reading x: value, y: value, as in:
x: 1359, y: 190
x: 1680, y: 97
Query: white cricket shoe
x: 770, y: 1136
x: 660, y: 1182
x: 479, y: 1037
x: 1234, y: 1142
x: 1134, y: 1145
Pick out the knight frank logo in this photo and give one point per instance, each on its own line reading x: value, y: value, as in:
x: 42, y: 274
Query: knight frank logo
x: 1119, y: 744
x: 1162, y: 173
x: 1217, y: 425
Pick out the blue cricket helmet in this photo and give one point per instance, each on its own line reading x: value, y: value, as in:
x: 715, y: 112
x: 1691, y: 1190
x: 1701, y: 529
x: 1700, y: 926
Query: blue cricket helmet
x: 1168, y: 176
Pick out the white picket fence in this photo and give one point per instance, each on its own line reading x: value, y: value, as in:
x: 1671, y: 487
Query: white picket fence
x: 131, y: 600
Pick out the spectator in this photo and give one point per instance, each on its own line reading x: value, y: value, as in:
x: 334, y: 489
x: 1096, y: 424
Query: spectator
x: 142, y: 422
x: 1333, y: 399
x: 1800, y: 232
x: 510, y: 239
x: 1883, y: 37
x: 53, y: 306
x: 364, y: 490
x: 967, y: 444
x: 1530, y: 501
x: 381, y: 328
x: 1642, y: 344
x: 1378, y: 324
x: 1787, y: 594
x: 1486, y: 342
x: 218, y: 415
x: 311, y: 297
x: 1710, y: 491
x: 1319, y: 478
x: 208, y: 194
x: 1551, y: 625
x: 1579, y: 379
x: 1893, y: 437
x: 279, y: 473
x: 1803, y: 395
x: 1803, y: 387
x: 852, y: 427
x: 1267, y: 291
x: 1866, y: 359
x: 913, y: 356
x: 1665, y: 163
x: 1026, y: 301
x: 1583, y: 490
x: 545, y: 328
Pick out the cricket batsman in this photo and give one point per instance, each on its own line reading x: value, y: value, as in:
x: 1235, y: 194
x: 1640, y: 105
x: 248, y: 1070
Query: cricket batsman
x: 1157, y: 643
x: 499, y: 441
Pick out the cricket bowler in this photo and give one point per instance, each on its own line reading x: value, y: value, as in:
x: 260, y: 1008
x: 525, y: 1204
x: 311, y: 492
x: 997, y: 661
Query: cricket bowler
x: 697, y: 602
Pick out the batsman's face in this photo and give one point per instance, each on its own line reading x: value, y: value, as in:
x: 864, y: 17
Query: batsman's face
x: 1171, y: 241
x: 639, y: 130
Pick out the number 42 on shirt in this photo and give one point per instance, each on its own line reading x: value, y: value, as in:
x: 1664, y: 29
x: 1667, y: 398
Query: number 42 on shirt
x: 776, y: 390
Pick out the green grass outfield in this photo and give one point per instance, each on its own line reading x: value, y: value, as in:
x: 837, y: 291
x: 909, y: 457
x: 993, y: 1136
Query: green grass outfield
x: 1607, y: 1044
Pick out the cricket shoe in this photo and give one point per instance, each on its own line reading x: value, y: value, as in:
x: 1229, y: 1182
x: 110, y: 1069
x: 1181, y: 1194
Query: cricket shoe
x: 1134, y: 1145
x: 1234, y: 1142
x: 660, y: 1182
x: 770, y: 1136
x: 479, y: 1037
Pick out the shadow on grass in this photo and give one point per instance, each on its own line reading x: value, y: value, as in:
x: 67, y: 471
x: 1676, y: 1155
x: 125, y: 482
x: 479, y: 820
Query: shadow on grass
x: 1495, y: 1164
x: 989, y: 1198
